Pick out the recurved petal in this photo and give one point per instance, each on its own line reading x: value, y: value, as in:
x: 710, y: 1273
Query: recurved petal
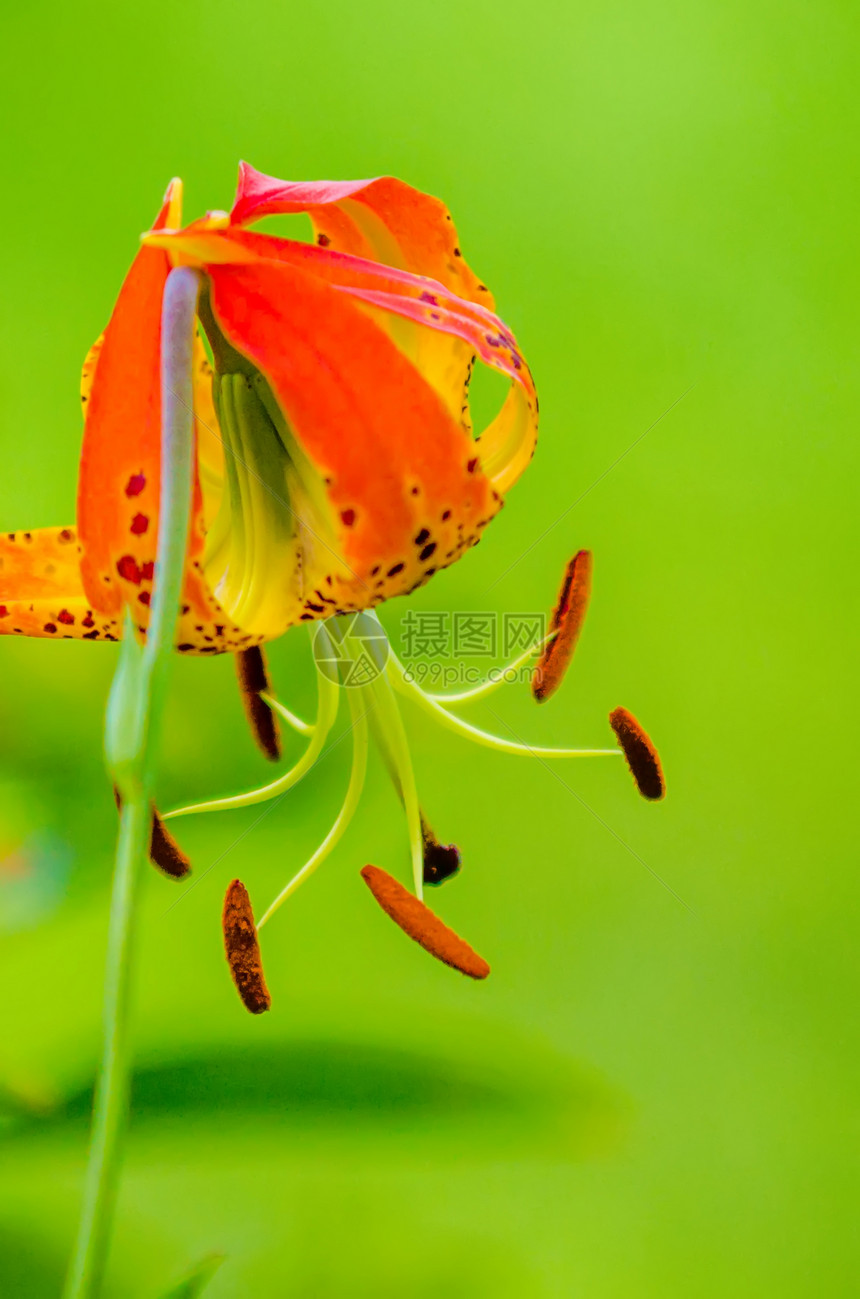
x: 439, y: 332
x: 386, y: 221
x: 40, y: 588
x: 120, y: 473
x: 403, y: 478
x: 382, y: 219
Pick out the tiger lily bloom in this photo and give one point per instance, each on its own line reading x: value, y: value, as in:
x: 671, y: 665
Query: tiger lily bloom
x: 335, y: 467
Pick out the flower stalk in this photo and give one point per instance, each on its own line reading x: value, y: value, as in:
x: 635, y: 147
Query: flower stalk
x: 132, y: 730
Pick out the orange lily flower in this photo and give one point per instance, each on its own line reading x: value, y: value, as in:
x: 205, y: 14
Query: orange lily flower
x: 336, y: 465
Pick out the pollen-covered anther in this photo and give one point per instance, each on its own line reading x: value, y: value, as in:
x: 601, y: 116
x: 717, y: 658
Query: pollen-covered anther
x: 164, y: 851
x: 243, y: 949
x: 420, y: 923
x: 441, y: 860
x: 565, y: 626
x: 253, y: 682
x: 642, y: 758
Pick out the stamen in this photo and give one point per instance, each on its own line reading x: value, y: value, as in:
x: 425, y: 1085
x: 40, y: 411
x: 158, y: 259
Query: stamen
x: 567, y: 619
x: 498, y: 677
x: 329, y: 695
x: 253, y: 682
x: 420, y: 923
x: 164, y: 851
x: 243, y: 949
x: 441, y: 861
x: 430, y: 705
x: 347, y: 811
x: 642, y: 758
x: 395, y: 746
x: 292, y: 719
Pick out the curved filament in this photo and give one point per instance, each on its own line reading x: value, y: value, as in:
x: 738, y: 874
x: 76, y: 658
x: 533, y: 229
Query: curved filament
x: 459, y: 727
x: 347, y: 811
x: 329, y: 694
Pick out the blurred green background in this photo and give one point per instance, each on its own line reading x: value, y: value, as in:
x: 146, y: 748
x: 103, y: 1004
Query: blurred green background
x: 649, y: 1096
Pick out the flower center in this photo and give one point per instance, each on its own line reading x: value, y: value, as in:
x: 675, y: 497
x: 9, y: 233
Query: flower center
x: 273, y: 529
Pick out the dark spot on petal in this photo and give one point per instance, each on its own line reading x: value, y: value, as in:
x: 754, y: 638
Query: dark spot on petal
x: 128, y: 569
x: 398, y: 568
x: 427, y: 551
x: 422, y: 536
x: 446, y: 514
x: 144, y: 597
x: 65, y: 617
x: 49, y: 627
x: 65, y: 536
x: 347, y: 518
x: 135, y: 485
x: 139, y: 524
x: 472, y: 464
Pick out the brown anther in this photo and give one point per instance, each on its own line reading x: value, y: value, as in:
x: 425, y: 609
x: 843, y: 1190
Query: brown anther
x: 164, y: 851
x: 253, y: 682
x: 642, y: 758
x: 243, y: 949
x: 419, y: 922
x: 567, y: 619
x: 441, y: 860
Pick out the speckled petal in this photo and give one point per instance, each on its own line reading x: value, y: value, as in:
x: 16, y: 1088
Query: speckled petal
x: 40, y: 588
x: 384, y: 220
x: 415, y: 312
x: 119, y: 483
x: 402, y: 476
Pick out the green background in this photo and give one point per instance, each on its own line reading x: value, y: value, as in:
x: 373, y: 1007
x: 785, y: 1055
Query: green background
x: 650, y: 1096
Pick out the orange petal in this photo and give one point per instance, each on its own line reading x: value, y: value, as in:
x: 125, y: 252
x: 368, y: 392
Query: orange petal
x: 403, y: 478
x: 40, y: 588
x: 439, y: 332
x: 120, y: 475
x: 567, y: 619
x: 383, y: 219
x: 420, y: 923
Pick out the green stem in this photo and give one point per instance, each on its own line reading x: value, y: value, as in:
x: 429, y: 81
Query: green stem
x: 111, y: 1099
x: 131, y: 736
